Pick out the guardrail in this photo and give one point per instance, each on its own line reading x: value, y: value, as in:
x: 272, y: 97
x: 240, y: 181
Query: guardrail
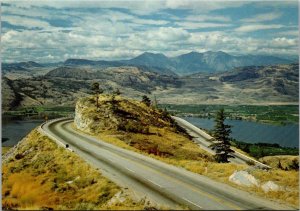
x: 194, y: 128
x: 210, y: 139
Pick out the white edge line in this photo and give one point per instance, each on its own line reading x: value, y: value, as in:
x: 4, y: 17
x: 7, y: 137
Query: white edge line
x: 130, y: 170
x: 154, y: 183
x: 192, y: 203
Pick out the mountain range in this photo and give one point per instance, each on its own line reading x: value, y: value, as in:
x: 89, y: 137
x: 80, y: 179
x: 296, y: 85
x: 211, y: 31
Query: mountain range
x: 276, y: 84
x: 185, y: 64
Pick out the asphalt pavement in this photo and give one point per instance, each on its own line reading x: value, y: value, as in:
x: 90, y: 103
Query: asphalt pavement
x: 164, y: 184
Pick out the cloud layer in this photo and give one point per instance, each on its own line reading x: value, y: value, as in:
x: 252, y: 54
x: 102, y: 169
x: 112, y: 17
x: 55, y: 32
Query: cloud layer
x: 49, y: 31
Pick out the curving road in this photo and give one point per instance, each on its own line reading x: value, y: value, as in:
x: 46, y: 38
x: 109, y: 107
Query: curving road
x: 165, y: 184
x: 204, y: 140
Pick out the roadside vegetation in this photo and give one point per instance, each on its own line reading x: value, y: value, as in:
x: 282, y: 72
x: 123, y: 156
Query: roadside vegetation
x: 39, y: 112
x: 5, y: 149
x: 141, y: 127
x: 221, y: 133
x: 270, y: 114
x: 259, y: 150
x: 37, y: 174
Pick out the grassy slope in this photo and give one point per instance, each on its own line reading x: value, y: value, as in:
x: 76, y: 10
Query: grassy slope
x: 176, y: 149
x: 39, y: 174
x: 5, y: 149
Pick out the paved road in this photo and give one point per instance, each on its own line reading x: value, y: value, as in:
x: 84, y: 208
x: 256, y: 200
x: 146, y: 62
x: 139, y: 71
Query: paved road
x: 204, y: 140
x: 163, y: 183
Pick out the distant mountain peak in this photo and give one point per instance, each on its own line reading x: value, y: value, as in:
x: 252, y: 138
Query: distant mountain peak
x: 150, y: 54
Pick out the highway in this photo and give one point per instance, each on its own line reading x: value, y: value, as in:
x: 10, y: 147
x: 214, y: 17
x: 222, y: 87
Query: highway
x: 204, y: 140
x: 162, y: 183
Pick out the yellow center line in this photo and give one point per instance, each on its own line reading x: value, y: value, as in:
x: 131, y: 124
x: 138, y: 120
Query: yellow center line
x: 177, y: 181
x: 187, y: 185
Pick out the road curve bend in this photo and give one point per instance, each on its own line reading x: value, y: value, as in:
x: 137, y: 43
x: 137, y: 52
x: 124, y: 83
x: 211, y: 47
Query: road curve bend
x: 165, y: 184
x: 204, y: 140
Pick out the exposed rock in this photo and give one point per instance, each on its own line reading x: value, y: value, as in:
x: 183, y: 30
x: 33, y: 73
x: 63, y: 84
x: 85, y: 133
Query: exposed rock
x: 88, y: 118
x: 117, y: 113
x: 270, y: 186
x: 243, y: 178
x: 119, y: 197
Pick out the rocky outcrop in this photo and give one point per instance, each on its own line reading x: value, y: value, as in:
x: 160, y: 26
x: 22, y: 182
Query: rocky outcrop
x: 243, y: 178
x: 91, y: 119
x: 270, y: 186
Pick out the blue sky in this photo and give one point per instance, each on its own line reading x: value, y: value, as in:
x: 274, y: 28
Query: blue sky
x: 50, y: 31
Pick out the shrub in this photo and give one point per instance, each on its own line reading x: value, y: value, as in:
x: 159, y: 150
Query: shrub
x: 133, y: 127
x: 250, y: 163
x: 294, y: 165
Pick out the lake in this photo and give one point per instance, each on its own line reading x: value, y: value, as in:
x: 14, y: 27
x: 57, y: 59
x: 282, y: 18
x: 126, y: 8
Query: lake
x: 253, y: 132
x: 14, y: 130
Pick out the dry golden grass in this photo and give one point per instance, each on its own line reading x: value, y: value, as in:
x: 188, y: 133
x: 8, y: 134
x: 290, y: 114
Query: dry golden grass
x: 288, y: 180
x: 164, y: 143
x: 5, y: 150
x: 42, y: 175
x: 285, y: 160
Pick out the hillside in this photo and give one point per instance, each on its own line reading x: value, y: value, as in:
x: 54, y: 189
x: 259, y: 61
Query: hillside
x: 133, y: 125
x: 276, y: 84
x: 185, y: 64
x: 138, y: 125
x: 8, y: 94
x: 37, y: 174
x: 193, y: 62
x: 137, y: 78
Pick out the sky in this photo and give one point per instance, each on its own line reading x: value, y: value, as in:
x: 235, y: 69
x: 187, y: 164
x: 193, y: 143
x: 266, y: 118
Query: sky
x: 52, y: 31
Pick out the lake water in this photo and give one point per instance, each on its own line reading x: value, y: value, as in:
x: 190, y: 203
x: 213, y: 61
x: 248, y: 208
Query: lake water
x: 253, y: 132
x: 14, y: 130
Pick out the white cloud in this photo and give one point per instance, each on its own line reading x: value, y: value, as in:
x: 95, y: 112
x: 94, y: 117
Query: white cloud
x: 110, y: 34
x: 289, y: 33
x: 283, y: 42
x: 201, y: 25
x: 263, y: 17
x: 140, y: 7
x: 26, y: 22
x: 202, y: 18
x: 256, y: 27
x: 167, y: 34
x: 202, y: 6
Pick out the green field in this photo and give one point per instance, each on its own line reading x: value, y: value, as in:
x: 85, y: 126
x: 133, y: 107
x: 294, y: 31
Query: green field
x: 39, y: 112
x: 259, y: 150
x: 272, y: 114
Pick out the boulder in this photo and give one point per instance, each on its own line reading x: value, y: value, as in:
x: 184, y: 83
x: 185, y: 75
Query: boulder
x: 270, y: 186
x: 243, y: 178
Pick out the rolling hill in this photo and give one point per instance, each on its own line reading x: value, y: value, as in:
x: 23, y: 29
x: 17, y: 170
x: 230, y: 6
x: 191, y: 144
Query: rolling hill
x: 185, y: 64
x: 276, y: 84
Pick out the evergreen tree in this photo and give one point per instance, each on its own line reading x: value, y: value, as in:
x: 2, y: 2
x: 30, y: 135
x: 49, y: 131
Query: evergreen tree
x: 97, y: 90
x: 117, y: 92
x: 221, y: 133
x: 279, y: 165
x: 294, y: 165
x: 146, y: 100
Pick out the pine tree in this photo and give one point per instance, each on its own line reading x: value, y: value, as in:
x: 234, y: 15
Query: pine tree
x: 96, y: 89
x: 221, y: 133
x: 279, y: 165
x: 117, y: 92
x: 146, y: 100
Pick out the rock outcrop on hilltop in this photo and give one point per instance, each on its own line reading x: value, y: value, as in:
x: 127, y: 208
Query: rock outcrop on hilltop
x: 117, y: 113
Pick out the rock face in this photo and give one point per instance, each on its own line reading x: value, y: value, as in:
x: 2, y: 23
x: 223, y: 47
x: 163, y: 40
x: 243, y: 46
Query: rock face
x: 91, y: 119
x: 243, y: 178
x: 270, y: 186
x: 118, y: 113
